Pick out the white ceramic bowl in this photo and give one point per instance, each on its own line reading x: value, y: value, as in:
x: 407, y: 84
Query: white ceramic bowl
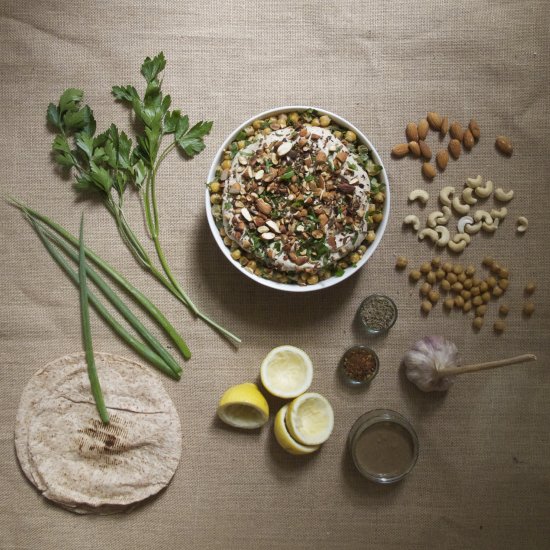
x: 332, y: 280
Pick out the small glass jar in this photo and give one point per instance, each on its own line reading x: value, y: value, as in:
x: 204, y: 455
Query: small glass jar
x: 380, y: 322
x: 347, y: 374
x: 383, y: 445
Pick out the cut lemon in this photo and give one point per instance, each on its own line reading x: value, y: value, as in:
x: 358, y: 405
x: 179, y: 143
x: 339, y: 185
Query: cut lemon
x: 310, y: 419
x: 285, y: 440
x: 243, y: 406
x: 286, y: 372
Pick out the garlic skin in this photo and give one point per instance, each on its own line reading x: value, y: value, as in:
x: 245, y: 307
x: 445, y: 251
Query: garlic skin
x: 424, y: 360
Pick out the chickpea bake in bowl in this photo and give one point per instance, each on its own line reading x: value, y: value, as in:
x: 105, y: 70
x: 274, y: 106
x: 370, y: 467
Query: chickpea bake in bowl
x: 297, y: 199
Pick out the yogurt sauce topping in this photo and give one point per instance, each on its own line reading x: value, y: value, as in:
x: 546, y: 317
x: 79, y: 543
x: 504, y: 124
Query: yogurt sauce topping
x: 296, y: 199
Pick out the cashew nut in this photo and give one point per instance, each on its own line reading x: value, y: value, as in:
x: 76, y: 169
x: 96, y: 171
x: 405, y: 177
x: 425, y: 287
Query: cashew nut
x: 460, y: 207
x: 499, y: 213
x: 490, y: 227
x: 419, y: 194
x: 444, y: 195
x: 523, y: 223
x: 443, y: 234
x: 474, y: 182
x: 446, y: 215
x: 483, y: 216
x: 462, y: 222
x: 430, y: 233
x: 413, y: 220
x: 459, y: 242
x: 468, y: 196
x: 472, y: 228
x: 503, y: 196
x: 484, y: 191
x: 433, y: 218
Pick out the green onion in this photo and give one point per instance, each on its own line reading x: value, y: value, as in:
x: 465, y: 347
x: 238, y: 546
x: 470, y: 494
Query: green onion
x: 87, y: 333
x: 115, y: 275
x: 134, y: 343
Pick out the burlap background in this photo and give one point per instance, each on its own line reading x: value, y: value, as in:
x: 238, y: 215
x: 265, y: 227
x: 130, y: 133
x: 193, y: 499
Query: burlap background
x: 482, y: 480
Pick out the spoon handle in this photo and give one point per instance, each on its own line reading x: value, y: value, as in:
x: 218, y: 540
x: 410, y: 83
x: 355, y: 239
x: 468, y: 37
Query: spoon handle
x: 488, y: 365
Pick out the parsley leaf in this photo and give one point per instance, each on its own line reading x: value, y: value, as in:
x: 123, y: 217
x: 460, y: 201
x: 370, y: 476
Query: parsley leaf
x: 192, y: 142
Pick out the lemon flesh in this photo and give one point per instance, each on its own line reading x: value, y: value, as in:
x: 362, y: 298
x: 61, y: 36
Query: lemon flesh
x: 285, y: 440
x: 243, y: 406
x: 286, y: 372
x: 310, y: 419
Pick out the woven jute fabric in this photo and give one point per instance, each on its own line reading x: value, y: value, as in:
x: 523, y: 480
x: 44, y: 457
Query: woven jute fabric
x: 483, y: 478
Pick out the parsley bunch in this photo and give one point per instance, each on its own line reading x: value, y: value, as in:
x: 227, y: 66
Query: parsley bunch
x: 106, y: 164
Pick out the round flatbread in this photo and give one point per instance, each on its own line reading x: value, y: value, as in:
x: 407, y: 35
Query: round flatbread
x: 77, y: 461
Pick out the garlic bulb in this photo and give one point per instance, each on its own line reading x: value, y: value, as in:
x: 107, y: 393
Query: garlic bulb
x: 424, y: 360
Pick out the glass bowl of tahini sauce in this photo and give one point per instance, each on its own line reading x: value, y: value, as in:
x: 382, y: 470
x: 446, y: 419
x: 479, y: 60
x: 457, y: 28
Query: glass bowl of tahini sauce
x: 383, y: 445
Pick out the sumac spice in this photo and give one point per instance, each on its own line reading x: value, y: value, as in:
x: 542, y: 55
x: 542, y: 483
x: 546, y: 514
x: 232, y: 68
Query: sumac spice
x: 359, y: 364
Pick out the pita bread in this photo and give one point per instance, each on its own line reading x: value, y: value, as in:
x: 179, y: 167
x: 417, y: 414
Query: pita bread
x: 77, y: 461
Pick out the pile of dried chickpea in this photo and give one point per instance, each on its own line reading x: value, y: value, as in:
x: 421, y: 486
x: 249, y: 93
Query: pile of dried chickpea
x: 463, y: 289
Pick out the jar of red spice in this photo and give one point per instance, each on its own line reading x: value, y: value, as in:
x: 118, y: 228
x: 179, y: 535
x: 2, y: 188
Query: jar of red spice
x: 359, y: 365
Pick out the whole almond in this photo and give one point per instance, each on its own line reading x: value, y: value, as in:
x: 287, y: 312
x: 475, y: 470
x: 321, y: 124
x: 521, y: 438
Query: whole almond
x: 474, y: 128
x: 441, y: 159
x: 504, y: 145
x: 434, y: 119
x: 456, y: 131
x: 411, y: 132
x: 414, y: 149
x: 423, y: 128
x: 428, y: 170
x: 468, y: 140
x: 425, y: 150
x: 444, y: 126
x: 400, y: 150
x: 455, y: 148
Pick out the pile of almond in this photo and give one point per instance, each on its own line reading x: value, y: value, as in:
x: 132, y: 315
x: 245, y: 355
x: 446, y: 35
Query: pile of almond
x: 417, y: 147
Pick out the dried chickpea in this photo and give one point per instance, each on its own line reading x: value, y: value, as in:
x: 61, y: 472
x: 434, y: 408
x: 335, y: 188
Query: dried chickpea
x: 503, y: 283
x: 415, y: 275
x: 477, y: 323
x: 445, y: 285
x: 439, y: 274
x: 436, y: 262
x: 425, y: 289
x: 425, y: 268
x: 466, y: 294
x: 499, y: 325
x: 503, y: 310
x: 495, y: 267
x: 459, y: 302
x: 504, y: 273
x: 475, y: 291
x: 486, y: 296
x: 467, y: 284
x: 491, y: 282
x: 449, y: 303
x: 483, y: 286
x: 470, y: 270
x: 457, y: 269
x: 481, y: 310
x: 431, y: 278
x: 476, y: 281
x: 433, y: 296
x: 497, y: 291
x: 528, y: 308
x: 447, y: 267
x: 477, y: 301
x: 457, y: 287
x: 452, y: 278
x: 530, y: 287
x: 467, y: 306
x: 461, y: 277
x: 426, y: 306
x: 488, y: 261
x: 401, y: 262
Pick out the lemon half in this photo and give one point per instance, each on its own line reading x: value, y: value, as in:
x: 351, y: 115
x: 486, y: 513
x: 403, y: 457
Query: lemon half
x: 310, y: 419
x: 286, y: 372
x: 285, y: 440
x: 243, y: 406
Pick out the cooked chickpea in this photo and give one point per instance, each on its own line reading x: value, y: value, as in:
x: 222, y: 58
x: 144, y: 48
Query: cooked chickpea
x: 499, y: 326
x: 433, y: 296
x: 425, y: 289
x: 257, y: 124
x: 459, y: 302
x: 362, y: 249
x: 354, y: 257
x: 425, y: 268
x: 243, y: 260
x: 503, y: 310
x: 452, y: 278
x: 439, y: 274
x: 477, y: 323
x: 227, y: 241
x: 294, y: 117
x: 426, y: 306
x: 315, y: 121
x: 241, y: 144
x: 528, y: 308
x: 236, y: 254
x: 350, y: 136
x: 503, y: 283
x: 378, y: 217
x: 436, y: 262
x: 222, y: 232
x: 216, y: 198
x: 530, y: 287
x: 481, y: 310
x: 226, y: 164
x: 324, y: 120
x: 251, y: 265
x: 338, y: 134
x: 215, y: 187
x: 445, y: 285
x: 379, y: 197
x: 371, y: 235
x: 266, y: 131
x: 449, y: 303
x: 431, y: 278
x: 497, y: 291
x: 415, y: 275
x: 313, y: 279
x: 447, y: 267
x: 467, y: 306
